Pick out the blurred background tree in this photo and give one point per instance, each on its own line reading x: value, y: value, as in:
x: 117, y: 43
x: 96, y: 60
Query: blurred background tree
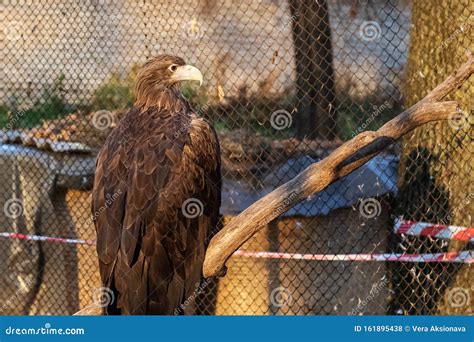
x: 435, y: 177
x: 316, y: 116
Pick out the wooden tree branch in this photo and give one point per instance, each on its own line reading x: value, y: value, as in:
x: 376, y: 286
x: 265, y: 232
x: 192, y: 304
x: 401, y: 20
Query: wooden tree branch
x: 92, y: 310
x: 345, y: 159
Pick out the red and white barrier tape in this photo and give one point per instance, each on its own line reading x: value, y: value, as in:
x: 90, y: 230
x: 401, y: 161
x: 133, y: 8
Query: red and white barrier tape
x: 434, y: 230
x: 458, y: 257
x: 461, y: 257
x: 47, y: 238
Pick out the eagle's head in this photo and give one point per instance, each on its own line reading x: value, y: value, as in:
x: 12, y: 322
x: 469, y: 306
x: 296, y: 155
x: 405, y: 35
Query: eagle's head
x: 161, y: 76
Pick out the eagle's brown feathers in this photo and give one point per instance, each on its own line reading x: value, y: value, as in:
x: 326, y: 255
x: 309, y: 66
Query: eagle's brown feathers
x: 160, y: 155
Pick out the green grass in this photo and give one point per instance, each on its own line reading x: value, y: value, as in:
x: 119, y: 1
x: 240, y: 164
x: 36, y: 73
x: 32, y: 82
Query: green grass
x: 50, y: 105
x: 116, y: 93
x: 371, y: 112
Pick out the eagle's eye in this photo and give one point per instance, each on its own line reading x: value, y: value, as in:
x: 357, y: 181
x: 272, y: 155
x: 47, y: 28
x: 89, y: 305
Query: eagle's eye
x: 173, y: 67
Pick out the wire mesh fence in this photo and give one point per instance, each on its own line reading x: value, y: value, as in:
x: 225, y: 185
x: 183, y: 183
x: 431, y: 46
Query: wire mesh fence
x: 286, y: 82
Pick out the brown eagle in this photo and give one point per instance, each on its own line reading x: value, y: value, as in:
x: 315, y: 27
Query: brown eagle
x: 156, y: 196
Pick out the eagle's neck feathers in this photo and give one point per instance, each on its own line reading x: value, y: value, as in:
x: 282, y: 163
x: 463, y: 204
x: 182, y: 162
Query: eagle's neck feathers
x: 166, y: 98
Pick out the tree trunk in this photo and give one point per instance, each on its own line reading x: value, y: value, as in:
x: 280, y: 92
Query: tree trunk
x: 316, y: 117
x: 436, y: 174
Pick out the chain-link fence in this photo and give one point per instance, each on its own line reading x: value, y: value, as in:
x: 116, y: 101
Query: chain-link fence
x: 286, y: 82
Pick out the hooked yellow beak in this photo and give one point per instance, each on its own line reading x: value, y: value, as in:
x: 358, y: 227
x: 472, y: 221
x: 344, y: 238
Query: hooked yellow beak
x: 187, y: 73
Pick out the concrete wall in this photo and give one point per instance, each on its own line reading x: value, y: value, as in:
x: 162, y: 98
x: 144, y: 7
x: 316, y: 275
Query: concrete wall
x: 235, y: 43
